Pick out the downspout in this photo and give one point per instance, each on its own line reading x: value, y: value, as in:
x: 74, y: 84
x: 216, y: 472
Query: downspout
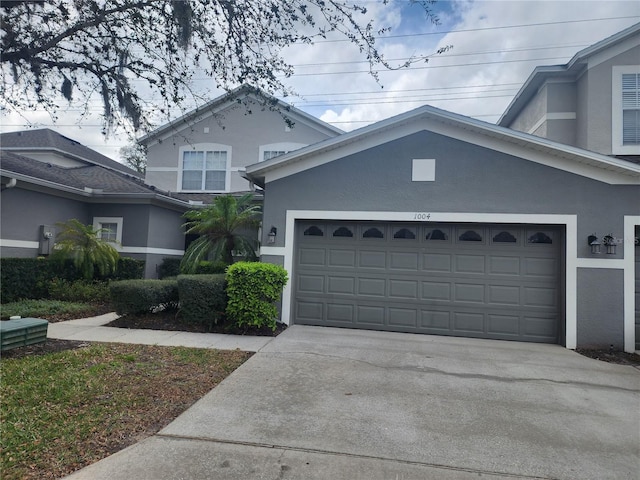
x: 12, y: 183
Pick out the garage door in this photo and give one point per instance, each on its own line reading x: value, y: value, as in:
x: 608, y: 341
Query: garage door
x: 484, y: 281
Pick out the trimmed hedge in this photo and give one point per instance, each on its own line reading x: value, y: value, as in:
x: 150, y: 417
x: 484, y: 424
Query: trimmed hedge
x: 170, y: 267
x: 211, y: 268
x: 252, y: 288
x: 29, y: 278
x: 140, y: 296
x: 203, y: 298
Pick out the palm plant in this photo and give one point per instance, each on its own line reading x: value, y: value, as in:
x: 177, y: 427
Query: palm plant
x: 223, y: 227
x: 82, y: 244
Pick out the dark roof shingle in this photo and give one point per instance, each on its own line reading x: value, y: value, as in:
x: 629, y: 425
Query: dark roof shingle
x: 46, y: 138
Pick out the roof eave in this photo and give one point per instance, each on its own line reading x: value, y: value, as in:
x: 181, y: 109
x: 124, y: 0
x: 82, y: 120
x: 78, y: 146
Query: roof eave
x: 257, y: 172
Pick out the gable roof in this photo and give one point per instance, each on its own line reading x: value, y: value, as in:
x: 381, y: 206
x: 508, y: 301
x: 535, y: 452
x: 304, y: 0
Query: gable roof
x: 233, y: 98
x: 571, y: 69
x: 523, y: 145
x: 46, y: 139
x: 87, y: 181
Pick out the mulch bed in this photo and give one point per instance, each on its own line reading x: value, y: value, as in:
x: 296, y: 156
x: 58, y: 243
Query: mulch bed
x: 610, y: 356
x: 170, y: 320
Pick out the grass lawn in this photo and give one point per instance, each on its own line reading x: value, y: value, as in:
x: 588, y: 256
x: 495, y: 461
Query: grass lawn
x: 64, y: 410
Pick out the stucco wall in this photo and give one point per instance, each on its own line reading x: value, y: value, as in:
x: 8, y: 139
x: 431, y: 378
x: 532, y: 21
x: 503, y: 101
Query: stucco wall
x: 594, y: 100
x: 532, y: 112
x: 23, y: 211
x: 599, y: 309
x: 244, y: 132
x: 469, y: 179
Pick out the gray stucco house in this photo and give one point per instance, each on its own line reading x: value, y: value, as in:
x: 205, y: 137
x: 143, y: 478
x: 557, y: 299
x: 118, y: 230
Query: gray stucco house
x: 49, y: 178
x: 433, y: 222
x: 205, y: 152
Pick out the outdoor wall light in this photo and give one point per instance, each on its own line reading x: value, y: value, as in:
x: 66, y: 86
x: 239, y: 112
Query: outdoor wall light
x: 608, y: 241
x: 272, y: 235
x: 595, y: 245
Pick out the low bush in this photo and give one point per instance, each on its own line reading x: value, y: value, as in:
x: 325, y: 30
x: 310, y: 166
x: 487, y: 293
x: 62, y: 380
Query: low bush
x: 170, y: 267
x: 203, y: 298
x: 40, y: 308
x: 79, y: 291
x: 140, y: 296
x: 253, y: 288
x: 211, y: 268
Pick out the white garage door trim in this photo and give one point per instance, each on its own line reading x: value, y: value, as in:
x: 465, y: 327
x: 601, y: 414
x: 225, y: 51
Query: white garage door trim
x: 630, y: 222
x: 569, y: 222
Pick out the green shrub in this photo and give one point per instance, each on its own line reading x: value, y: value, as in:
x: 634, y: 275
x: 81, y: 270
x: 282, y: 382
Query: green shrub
x: 252, y: 288
x: 78, y: 291
x: 203, y: 298
x: 127, y: 269
x: 40, y: 308
x: 140, y: 296
x: 170, y: 267
x: 22, y: 278
x: 211, y: 268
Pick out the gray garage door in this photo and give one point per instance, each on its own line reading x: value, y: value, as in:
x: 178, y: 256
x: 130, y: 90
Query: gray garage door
x: 484, y: 281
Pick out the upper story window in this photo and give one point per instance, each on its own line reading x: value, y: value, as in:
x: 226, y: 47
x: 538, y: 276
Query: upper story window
x: 205, y: 168
x: 272, y: 150
x: 625, y: 124
x: 269, y: 154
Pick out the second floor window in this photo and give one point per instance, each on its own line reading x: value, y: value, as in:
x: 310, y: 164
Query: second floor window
x: 204, y: 170
x: 631, y: 109
x: 269, y: 154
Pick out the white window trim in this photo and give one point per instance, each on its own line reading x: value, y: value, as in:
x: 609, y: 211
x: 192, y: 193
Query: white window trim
x: 97, y: 224
x: 204, y: 147
x: 278, y: 147
x: 617, y: 148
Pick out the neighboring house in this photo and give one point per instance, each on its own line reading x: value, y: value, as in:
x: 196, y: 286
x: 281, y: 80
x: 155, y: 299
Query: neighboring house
x: 592, y: 102
x: 48, y: 178
x: 204, y: 152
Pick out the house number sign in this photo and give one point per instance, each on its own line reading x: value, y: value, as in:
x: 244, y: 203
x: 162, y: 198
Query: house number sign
x: 421, y: 216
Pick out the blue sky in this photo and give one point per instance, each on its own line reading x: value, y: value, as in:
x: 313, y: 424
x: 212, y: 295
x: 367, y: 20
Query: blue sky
x: 496, y: 45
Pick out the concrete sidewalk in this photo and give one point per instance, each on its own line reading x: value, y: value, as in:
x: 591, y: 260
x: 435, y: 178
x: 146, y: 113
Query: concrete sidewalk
x: 93, y: 330
x: 318, y: 403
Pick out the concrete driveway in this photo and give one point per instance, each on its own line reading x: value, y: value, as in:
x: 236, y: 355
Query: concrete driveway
x: 323, y: 403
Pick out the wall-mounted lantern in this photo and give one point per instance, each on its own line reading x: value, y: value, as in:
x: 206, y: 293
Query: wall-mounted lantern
x: 609, y: 243
x: 595, y: 245
x: 271, y: 237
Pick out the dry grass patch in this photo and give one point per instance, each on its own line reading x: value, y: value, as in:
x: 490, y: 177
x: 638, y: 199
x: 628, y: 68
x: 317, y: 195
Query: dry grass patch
x: 62, y: 411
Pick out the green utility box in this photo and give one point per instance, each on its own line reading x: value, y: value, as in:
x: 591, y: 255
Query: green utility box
x: 21, y: 332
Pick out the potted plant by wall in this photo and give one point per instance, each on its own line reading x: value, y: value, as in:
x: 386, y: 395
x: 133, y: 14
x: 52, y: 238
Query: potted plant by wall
x: 609, y: 244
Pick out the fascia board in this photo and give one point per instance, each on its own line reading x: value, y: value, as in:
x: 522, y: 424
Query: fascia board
x: 88, y: 196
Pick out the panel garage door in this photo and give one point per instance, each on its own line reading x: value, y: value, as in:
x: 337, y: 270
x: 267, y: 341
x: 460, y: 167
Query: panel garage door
x: 484, y: 281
